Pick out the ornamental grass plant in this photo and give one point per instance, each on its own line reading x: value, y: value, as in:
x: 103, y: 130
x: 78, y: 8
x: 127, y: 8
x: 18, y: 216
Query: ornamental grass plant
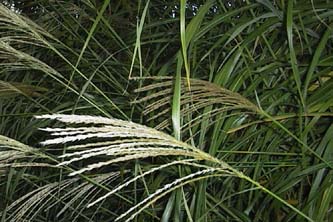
x: 166, y: 110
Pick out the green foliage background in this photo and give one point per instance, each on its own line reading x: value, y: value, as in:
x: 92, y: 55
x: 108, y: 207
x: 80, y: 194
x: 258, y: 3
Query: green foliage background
x: 245, y: 85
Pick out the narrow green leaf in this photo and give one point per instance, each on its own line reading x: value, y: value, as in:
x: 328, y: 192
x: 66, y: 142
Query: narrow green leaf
x: 269, y: 5
x: 325, y: 204
x: 168, y: 208
x: 91, y: 32
x: 222, y: 77
x: 183, y: 39
x: 176, y: 100
x: 315, y: 60
x: 241, y: 28
x: 137, y: 48
x: 194, y: 25
x: 292, y: 52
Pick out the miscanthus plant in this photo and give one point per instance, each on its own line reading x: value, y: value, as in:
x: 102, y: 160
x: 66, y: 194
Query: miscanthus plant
x: 166, y: 110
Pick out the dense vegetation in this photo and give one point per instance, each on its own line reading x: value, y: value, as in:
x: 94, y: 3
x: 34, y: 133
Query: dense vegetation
x: 184, y: 110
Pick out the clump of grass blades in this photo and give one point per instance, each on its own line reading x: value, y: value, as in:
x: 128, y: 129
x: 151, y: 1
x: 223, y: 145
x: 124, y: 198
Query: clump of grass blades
x: 125, y: 141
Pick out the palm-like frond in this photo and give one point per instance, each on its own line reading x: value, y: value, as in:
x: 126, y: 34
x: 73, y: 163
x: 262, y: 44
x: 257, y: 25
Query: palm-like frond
x: 72, y: 195
x: 127, y: 141
x: 200, y: 95
x: 16, y: 154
